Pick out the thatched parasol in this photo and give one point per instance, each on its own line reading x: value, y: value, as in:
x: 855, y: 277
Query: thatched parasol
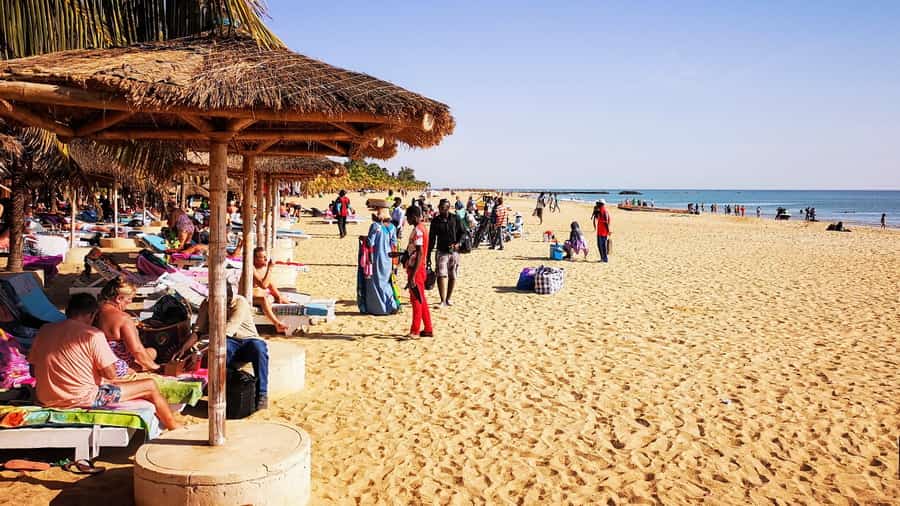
x: 269, y: 102
x: 229, y: 94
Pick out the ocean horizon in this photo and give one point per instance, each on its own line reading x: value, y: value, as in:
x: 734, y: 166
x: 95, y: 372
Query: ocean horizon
x: 850, y: 206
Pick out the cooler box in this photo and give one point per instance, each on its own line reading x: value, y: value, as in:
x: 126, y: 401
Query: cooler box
x: 556, y: 252
x: 316, y: 310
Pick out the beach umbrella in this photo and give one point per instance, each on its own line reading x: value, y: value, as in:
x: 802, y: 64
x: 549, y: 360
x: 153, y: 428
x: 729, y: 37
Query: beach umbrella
x: 222, y: 93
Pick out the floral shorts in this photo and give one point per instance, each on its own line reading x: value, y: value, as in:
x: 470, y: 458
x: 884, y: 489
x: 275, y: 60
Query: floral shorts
x: 107, y: 394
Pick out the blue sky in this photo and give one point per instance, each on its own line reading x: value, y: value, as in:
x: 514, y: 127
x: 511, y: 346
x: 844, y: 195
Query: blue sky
x: 640, y: 94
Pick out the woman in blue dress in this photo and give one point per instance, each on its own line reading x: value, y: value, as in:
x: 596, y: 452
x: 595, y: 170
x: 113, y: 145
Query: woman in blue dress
x: 375, y: 292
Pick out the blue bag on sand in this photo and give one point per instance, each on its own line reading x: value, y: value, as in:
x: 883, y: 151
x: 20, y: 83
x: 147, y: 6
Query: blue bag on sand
x: 315, y: 310
x: 556, y: 251
x: 526, y: 280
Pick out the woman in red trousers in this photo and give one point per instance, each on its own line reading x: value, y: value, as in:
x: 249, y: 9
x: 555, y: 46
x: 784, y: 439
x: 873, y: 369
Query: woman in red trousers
x: 415, y: 271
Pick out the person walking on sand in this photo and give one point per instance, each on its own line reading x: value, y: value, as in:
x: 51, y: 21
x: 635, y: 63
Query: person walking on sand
x: 397, y: 216
x: 444, y: 235
x: 415, y: 272
x: 539, y: 208
x: 758, y: 212
x: 602, y: 225
x: 883, y: 220
x: 341, y: 211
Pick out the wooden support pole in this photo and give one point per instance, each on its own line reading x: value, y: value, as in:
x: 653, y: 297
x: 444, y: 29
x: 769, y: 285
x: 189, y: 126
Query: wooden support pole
x: 247, y: 220
x: 191, y: 135
x: 260, y: 210
x: 184, y: 192
x: 72, y: 210
x: 17, y: 222
x: 276, y: 208
x: 115, y: 205
x: 218, y: 187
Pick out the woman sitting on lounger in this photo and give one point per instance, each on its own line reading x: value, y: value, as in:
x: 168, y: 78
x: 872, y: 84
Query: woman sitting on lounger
x: 120, y: 329
x: 264, y: 290
x: 181, y: 224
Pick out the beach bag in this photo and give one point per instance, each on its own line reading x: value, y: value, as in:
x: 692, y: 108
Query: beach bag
x: 430, y: 278
x: 548, y: 280
x: 526, y: 280
x: 465, y: 243
x: 240, y: 394
x: 556, y: 251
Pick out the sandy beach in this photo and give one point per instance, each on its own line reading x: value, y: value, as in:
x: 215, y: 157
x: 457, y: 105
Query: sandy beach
x: 730, y: 360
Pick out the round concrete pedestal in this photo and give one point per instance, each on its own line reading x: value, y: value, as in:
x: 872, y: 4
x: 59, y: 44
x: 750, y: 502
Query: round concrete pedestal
x: 287, y: 369
x: 75, y: 256
x: 117, y: 243
x: 260, y: 463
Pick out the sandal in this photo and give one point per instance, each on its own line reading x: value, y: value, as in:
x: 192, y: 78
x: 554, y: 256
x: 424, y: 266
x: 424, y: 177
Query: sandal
x: 83, y: 466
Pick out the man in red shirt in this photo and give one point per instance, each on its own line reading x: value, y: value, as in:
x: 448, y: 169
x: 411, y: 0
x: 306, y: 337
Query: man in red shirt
x: 341, y: 211
x: 601, y: 222
x: 499, y: 222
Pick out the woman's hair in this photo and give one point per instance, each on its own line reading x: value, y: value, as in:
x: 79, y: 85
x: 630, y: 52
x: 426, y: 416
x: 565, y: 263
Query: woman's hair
x: 576, y: 227
x: 116, y: 287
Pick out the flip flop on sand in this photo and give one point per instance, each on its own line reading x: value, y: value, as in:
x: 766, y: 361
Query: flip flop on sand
x: 83, y: 466
x: 25, y: 465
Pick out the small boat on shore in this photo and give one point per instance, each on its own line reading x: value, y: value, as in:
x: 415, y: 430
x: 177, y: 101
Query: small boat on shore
x: 629, y: 207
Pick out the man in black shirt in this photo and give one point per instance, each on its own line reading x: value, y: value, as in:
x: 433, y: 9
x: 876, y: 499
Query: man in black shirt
x: 445, y: 232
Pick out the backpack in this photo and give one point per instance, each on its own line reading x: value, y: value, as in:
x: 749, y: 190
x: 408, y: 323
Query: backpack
x: 338, y: 206
x: 240, y: 394
x: 170, y: 309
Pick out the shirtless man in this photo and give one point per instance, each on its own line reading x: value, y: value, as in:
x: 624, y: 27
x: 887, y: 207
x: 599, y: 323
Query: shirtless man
x: 119, y: 328
x: 263, y: 287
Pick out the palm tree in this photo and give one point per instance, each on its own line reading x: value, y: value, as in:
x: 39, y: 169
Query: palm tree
x: 30, y: 27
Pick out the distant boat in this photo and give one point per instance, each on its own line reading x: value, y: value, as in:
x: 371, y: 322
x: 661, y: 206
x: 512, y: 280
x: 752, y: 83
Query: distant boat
x: 629, y: 192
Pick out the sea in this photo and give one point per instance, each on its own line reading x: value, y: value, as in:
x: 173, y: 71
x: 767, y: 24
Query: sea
x: 850, y: 206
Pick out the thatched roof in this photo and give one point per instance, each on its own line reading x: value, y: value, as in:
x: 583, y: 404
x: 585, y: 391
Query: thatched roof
x: 129, y: 167
x: 283, y: 101
x: 283, y: 168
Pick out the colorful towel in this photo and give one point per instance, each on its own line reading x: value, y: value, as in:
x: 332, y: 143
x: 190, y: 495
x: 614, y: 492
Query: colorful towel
x: 178, y: 390
x: 131, y: 415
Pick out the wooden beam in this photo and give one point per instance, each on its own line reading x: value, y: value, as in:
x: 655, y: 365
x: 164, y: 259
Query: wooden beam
x: 187, y: 135
x: 333, y: 145
x: 23, y: 115
x: 238, y: 124
x: 200, y: 124
x: 51, y: 94
x: 290, y: 135
x: 105, y: 121
x: 260, y: 148
x: 218, y: 187
x: 348, y: 128
x: 298, y: 152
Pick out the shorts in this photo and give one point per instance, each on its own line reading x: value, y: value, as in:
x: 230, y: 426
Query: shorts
x: 106, y: 395
x: 448, y: 265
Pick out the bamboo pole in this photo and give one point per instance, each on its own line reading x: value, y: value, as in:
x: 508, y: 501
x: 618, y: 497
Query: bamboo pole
x: 218, y: 186
x: 260, y: 209
x: 247, y: 219
x: 184, y: 192
x: 273, y: 216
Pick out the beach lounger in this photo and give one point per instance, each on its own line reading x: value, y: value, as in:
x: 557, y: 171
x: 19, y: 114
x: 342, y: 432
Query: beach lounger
x: 106, y: 273
x: 154, y: 242
x: 32, y: 299
x: 86, y: 431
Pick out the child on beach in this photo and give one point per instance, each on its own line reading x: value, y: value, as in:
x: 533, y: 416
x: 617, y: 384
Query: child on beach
x: 576, y: 243
x: 415, y: 271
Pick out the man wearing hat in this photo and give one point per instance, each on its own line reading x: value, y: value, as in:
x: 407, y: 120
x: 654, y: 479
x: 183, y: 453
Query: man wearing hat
x: 601, y: 223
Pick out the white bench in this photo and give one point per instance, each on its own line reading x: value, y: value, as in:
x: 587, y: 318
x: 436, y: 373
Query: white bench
x: 86, y: 441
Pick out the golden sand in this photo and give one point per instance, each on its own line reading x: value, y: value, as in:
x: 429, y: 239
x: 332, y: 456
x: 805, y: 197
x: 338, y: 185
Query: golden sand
x: 731, y: 360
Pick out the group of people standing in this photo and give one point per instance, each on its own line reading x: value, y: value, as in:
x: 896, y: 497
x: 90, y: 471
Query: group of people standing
x: 545, y: 200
